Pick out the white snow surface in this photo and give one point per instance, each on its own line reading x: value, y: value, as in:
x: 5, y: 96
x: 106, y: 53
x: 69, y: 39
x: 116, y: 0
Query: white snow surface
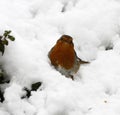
x: 37, y: 25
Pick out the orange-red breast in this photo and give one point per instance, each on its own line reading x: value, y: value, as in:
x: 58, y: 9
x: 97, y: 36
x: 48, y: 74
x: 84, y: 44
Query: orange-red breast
x: 63, y: 56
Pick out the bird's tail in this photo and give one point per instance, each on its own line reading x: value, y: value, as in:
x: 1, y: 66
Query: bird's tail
x: 83, y: 62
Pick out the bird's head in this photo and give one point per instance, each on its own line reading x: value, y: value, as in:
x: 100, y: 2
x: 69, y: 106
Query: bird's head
x: 66, y: 39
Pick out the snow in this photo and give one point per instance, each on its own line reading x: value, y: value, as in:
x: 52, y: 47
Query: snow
x: 37, y: 25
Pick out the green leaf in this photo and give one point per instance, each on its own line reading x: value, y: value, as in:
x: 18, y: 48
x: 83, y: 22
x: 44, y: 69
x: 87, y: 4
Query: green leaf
x: 1, y: 77
x: 1, y: 74
x: 35, y: 86
x: 11, y: 38
x: 1, y: 37
x: 2, y: 48
x: 6, y: 33
x: 5, y: 42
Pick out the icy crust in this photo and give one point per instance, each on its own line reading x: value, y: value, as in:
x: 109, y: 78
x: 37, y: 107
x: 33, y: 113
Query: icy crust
x: 37, y: 25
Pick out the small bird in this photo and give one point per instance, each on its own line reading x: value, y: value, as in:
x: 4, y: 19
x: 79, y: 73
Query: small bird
x: 64, y: 58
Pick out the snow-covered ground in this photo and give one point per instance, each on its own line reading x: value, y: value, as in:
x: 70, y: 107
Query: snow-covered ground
x: 37, y: 25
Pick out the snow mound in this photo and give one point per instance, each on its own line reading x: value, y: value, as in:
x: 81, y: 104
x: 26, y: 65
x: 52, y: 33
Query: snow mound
x: 37, y: 25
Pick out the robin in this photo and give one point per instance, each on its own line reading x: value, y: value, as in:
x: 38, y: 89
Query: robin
x: 63, y: 56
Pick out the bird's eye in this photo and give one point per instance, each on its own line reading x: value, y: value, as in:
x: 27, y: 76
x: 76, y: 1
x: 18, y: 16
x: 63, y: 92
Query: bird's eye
x: 62, y: 39
x: 71, y: 42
